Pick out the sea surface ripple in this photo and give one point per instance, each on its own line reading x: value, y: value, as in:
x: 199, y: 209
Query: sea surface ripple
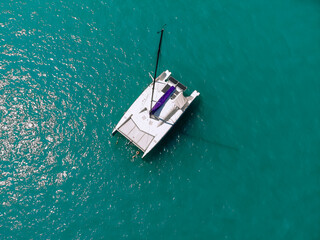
x: 242, y: 163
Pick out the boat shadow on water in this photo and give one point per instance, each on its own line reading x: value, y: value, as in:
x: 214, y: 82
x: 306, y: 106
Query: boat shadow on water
x: 181, y: 128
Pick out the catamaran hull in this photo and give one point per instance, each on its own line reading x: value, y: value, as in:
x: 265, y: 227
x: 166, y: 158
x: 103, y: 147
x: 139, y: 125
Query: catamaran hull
x: 146, y: 131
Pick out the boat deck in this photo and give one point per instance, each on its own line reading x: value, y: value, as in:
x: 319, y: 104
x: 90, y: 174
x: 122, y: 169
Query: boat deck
x: 138, y: 137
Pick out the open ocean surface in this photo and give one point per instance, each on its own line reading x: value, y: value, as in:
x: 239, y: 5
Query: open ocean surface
x: 242, y: 163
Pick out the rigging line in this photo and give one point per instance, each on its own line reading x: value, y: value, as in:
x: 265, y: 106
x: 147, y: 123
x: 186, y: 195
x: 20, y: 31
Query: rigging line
x: 212, y: 142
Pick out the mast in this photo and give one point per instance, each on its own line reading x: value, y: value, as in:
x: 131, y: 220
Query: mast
x: 155, y: 72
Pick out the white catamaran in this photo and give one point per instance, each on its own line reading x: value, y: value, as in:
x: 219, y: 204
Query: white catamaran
x: 147, y: 121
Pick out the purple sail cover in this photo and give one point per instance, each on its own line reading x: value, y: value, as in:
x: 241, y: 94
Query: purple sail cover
x: 163, y: 99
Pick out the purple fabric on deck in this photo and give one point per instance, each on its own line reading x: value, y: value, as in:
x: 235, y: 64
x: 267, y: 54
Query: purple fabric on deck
x: 163, y: 99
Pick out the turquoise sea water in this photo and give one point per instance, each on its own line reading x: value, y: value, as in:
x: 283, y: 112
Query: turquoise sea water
x: 242, y: 163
